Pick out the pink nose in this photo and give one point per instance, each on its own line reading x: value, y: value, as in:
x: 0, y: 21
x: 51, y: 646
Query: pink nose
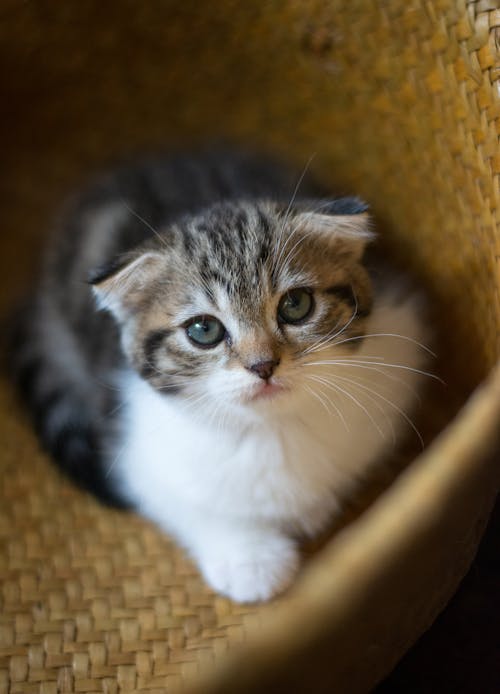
x: 264, y: 369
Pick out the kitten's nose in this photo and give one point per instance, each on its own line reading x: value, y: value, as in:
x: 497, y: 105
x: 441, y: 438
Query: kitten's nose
x: 264, y: 369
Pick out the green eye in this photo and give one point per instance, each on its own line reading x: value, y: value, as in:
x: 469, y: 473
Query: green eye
x: 295, y: 306
x: 205, y: 331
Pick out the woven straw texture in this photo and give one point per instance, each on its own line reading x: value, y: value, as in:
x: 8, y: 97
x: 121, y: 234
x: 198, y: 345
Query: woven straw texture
x: 400, y: 100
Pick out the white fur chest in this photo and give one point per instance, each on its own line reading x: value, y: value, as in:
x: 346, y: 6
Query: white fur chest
x: 282, y: 470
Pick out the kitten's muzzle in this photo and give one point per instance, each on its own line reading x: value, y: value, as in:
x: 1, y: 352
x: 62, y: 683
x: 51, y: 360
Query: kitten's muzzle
x: 264, y: 369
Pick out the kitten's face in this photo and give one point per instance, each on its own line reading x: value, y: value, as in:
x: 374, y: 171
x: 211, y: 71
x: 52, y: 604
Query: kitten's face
x: 228, y: 311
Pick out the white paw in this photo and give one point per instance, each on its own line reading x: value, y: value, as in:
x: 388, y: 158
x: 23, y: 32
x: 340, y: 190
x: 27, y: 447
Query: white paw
x: 251, y: 571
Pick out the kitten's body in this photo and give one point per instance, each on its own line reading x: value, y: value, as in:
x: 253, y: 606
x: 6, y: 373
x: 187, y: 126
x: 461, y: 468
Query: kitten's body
x: 234, y: 462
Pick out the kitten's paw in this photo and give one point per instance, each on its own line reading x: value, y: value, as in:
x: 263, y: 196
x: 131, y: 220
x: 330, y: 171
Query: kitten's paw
x: 251, y: 571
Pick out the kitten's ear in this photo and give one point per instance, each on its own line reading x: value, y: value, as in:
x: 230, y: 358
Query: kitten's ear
x: 343, y: 222
x: 119, y: 285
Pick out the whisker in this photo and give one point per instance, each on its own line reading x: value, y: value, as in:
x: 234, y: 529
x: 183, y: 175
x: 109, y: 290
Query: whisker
x: 178, y: 383
x: 339, y: 332
x: 320, y: 341
x: 287, y: 212
x: 402, y: 337
x: 115, y: 460
x: 145, y: 222
x: 337, y: 409
x: 294, y: 231
x: 393, y: 377
x: 318, y: 397
x: 360, y: 364
x: 117, y: 408
x: 376, y: 359
x: 372, y: 395
x: 398, y: 409
x: 105, y: 384
x: 356, y: 402
x: 289, y: 256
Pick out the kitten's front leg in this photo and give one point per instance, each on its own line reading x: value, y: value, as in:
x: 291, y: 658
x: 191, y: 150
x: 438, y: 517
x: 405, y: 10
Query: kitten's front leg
x: 245, y: 562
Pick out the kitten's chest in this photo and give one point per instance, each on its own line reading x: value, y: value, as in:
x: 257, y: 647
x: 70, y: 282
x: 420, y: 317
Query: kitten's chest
x: 274, y: 470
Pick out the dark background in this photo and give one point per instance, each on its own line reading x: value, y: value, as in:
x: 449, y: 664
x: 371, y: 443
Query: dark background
x: 460, y: 654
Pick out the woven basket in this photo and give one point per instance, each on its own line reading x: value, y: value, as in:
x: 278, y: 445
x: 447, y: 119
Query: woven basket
x: 400, y: 101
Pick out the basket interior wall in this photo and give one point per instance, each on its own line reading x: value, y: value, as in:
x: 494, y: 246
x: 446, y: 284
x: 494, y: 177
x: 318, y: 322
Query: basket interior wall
x: 409, y: 126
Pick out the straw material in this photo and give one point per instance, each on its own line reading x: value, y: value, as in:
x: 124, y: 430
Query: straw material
x: 401, y: 103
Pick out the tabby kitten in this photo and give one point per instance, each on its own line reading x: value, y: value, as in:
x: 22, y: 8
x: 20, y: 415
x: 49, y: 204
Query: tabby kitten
x: 232, y: 370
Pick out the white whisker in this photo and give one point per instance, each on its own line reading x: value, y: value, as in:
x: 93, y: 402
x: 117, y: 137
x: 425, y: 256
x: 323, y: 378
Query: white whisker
x: 398, y: 409
x: 287, y: 212
x: 339, y: 332
x: 337, y: 409
x: 292, y: 233
x: 145, y: 222
x: 381, y: 365
x: 391, y: 377
x: 110, y: 467
x: 402, y: 337
x: 355, y: 400
x: 318, y: 397
x: 371, y: 395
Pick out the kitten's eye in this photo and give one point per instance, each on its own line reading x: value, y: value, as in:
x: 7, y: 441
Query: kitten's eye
x: 205, y: 331
x: 295, y: 306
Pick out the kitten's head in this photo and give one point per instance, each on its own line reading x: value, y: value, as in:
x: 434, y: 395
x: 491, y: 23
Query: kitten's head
x: 227, y: 308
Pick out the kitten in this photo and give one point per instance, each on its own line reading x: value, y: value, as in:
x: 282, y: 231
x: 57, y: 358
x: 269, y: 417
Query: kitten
x: 242, y: 370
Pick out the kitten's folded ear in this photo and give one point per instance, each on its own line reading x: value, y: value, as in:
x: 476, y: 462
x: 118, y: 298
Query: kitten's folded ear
x: 121, y: 284
x: 344, y: 223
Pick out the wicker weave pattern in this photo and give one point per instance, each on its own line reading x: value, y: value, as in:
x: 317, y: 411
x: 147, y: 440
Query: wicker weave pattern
x: 96, y: 600
x: 401, y: 102
x: 93, y: 601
